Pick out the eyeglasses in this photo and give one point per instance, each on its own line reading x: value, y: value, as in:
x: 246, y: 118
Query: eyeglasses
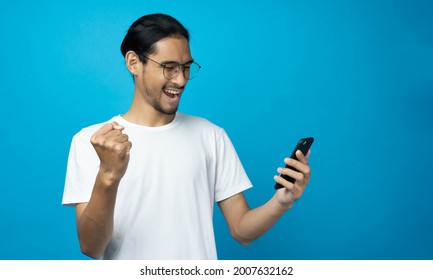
x: 172, y: 69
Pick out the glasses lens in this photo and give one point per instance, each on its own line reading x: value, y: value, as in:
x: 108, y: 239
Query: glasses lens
x: 191, y: 71
x: 171, y: 70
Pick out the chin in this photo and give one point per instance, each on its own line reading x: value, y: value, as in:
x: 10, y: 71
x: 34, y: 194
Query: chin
x: 169, y: 112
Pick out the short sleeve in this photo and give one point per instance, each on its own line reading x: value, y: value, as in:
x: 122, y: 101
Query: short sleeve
x: 231, y: 177
x: 82, y: 168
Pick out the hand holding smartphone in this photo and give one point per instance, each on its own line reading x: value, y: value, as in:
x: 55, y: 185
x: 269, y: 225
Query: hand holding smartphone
x: 304, y: 145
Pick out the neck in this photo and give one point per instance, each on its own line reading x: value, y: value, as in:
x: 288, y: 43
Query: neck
x: 142, y: 113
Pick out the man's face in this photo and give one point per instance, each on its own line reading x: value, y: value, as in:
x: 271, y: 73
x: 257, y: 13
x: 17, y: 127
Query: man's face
x: 161, y: 94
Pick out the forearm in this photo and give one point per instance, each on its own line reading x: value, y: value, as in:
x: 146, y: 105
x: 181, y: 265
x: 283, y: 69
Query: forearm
x: 256, y: 222
x: 95, y: 225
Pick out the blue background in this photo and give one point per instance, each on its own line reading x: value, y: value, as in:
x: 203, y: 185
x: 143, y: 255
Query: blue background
x: 356, y: 75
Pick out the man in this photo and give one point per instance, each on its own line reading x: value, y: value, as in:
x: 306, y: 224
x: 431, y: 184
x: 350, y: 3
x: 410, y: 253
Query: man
x: 144, y: 183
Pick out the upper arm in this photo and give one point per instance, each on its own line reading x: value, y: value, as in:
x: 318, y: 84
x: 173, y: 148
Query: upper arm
x: 233, y: 208
x: 79, y: 209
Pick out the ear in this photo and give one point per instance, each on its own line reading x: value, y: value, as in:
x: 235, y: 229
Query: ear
x: 133, y: 63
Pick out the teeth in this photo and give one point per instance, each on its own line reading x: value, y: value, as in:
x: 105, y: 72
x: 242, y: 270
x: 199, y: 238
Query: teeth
x: 174, y: 92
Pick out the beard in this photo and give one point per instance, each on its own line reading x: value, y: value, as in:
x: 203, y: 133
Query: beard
x: 155, y: 96
x: 169, y: 111
x: 155, y: 101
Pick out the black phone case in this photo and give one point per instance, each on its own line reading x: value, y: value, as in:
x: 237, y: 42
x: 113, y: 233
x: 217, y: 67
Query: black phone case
x: 304, y: 145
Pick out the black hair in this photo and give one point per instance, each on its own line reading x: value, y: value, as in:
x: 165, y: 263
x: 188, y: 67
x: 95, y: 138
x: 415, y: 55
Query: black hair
x: 149, y: 29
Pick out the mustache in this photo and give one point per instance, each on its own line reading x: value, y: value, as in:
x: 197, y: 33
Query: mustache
x: 173, y: 87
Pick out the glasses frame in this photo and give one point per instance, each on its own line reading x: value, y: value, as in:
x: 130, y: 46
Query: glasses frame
x: 178, y: 66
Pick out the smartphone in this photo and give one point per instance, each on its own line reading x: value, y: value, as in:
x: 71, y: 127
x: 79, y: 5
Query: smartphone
x: 304, y: 145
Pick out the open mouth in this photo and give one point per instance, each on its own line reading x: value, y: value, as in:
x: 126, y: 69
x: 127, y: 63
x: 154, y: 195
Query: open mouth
x: 172, y: 92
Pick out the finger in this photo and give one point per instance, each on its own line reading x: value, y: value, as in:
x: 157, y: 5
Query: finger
x: 112, y: 134
x: 123, y: 149
x: 121, y: 138
x: 308, y: 154
x: 301, y: 157
x: 102, y: 130
x: 287, y: 185
x: 128, y: 145
x: 304, y: 168
x: 118, y: 126
x: 96, y: 137
x: 106, y: 128
x: 298, y: 176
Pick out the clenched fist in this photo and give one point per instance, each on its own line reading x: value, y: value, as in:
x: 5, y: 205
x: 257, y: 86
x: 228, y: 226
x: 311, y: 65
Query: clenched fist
x: 112, y: 147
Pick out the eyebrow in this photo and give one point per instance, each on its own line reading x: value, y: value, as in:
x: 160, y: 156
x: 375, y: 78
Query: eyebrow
x: 177, y: 62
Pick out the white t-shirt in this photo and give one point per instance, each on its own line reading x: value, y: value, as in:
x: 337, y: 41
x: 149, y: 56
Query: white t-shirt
x: 165, y: 200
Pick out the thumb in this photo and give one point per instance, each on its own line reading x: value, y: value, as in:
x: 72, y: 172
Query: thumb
x: 117, y: 126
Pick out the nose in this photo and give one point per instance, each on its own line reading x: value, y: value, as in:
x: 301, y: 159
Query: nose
x: 180, y: 79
